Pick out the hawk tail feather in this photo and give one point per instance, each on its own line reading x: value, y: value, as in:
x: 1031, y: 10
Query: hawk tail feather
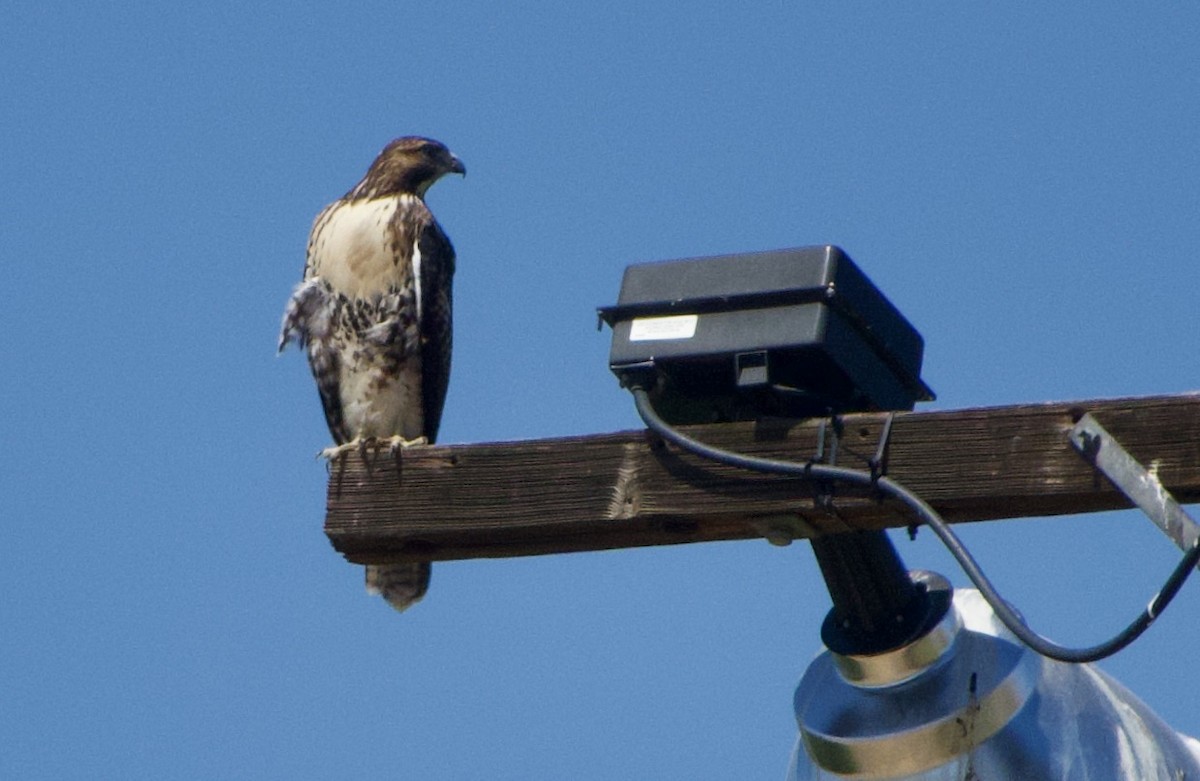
x: 402, y: 585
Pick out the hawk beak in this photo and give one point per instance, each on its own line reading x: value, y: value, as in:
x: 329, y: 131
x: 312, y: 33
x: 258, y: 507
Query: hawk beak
x: 456, y: 166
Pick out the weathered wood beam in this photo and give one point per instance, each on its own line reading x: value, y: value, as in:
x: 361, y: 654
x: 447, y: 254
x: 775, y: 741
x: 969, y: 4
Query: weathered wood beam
x: 630, y: 489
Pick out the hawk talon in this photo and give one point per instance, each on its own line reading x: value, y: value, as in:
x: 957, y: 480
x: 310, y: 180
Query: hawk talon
x: 338, y: 452
x: 397, y: 443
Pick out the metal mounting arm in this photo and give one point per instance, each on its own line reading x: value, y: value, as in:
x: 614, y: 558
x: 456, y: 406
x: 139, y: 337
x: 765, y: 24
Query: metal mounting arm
x: 1141, y: 485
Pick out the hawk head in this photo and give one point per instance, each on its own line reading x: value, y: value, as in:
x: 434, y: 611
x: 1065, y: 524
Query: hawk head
x: 407, y: 165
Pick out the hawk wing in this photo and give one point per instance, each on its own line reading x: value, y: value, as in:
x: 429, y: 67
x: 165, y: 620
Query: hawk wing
x: 436, y: 274
x: 308, y: 322
x: 311, y: 320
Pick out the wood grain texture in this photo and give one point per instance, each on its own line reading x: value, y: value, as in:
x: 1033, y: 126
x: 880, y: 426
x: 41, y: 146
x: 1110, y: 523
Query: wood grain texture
x: 630, y: 489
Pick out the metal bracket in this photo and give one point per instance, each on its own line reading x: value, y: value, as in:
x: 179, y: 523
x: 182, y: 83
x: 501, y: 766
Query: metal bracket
x: 1142, y: 486
x: 829, y: 435
x: 878, y: 462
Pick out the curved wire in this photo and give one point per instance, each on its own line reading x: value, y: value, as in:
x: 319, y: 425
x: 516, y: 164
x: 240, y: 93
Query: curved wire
x: 1007, y: 615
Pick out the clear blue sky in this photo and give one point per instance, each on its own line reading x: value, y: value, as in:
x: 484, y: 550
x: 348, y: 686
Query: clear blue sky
x: 1023, y: 182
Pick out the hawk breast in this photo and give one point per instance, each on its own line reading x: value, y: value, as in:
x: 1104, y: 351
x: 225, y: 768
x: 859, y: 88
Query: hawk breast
x: 361, y: 249
x: 357, y: 248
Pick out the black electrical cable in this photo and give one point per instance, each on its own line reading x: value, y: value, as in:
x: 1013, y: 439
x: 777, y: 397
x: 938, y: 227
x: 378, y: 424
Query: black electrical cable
x: 1009, y: 617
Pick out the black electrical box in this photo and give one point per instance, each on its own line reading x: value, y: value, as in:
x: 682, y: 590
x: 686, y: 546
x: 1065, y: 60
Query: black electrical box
x: 797, y: 332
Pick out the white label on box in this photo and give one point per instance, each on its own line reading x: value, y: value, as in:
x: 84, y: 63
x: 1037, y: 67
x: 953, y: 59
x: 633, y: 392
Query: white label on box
x: 654, y: 329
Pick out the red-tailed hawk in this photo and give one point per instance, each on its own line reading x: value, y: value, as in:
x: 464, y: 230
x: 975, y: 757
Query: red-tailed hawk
x: 373, y: 312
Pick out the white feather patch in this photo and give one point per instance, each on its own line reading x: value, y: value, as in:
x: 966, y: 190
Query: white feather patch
x: 416, y: 268
x: 352, y: 251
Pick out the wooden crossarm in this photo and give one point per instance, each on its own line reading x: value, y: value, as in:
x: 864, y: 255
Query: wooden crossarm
x: 629, y: 489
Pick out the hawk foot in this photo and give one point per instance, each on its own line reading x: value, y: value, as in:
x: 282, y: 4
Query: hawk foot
x: 391, y: 445
x: 374, y: 444
x: 397, y: 443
